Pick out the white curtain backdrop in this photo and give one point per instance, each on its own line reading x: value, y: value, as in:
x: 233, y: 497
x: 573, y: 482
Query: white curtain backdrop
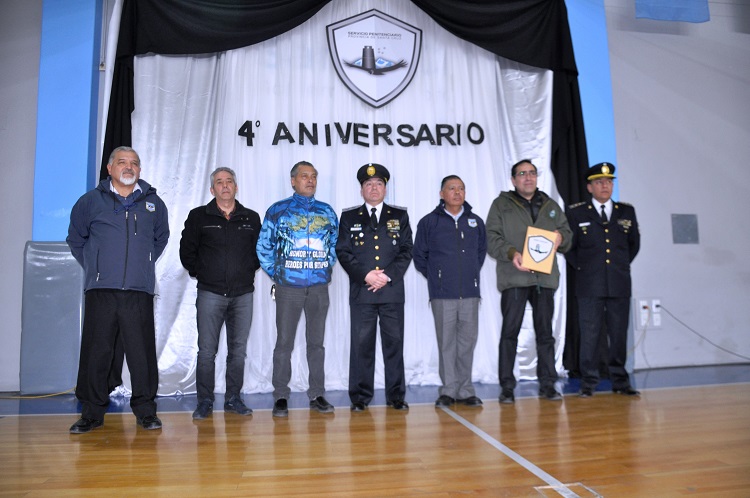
x: 186, y: 122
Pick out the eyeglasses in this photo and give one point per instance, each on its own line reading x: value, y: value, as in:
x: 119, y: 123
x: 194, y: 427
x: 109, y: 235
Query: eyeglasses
x: 531, y: 173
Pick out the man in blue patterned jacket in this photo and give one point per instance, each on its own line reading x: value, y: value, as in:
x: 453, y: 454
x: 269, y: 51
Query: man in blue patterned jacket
x: 297, y: 249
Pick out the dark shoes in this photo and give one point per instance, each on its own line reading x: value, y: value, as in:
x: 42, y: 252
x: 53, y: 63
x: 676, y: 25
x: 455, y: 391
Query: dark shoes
x: 149, y: 422
x: 280, y: 408
x: 626, y: 391
x: 506, y: 397
x: 204, y: 410
x: 470, y: 401
x: 235, y: 405
x: 549, y: 392
x: 84, y: 425
x: 444, y: 401
x: 321, y: 405
x: 586, y: 392
x: 398, y: 404
x: 359, y: 407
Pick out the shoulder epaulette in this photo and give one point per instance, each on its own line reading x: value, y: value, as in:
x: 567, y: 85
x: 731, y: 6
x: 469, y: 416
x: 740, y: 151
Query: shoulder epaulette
x: 397, y: 207
x: 351, y: 208
x: 624, y: 203
x: 577, y: 204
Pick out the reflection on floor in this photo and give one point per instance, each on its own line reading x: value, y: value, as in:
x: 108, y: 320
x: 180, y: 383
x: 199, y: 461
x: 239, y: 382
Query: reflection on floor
x: 642, y: 380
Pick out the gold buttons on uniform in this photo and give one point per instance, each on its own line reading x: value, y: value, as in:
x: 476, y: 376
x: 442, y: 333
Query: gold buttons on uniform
x: 608, y: 251
x: 376, y: 237
x: 607, y: 261
x: 377, y: 258
x: 377, y: 247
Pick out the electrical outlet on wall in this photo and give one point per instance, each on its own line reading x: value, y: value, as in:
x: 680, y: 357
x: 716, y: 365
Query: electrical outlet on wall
x: 647, y: 313
x: 656, y: 313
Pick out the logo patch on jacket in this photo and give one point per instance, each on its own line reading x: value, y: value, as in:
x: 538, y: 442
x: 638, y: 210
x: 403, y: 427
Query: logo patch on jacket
x: 472, y: 223
x: 150, y: 207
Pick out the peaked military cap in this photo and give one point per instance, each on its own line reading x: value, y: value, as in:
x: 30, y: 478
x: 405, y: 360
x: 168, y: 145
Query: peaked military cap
x: 601, y: 170
x: 373, y: 170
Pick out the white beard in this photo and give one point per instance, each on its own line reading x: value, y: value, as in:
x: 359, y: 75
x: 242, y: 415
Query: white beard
x: 127, y: 180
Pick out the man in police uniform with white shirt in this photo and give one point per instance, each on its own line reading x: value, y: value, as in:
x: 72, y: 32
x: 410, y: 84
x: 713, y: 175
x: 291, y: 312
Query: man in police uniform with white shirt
x: 605, y: 242
x: 374, y: 247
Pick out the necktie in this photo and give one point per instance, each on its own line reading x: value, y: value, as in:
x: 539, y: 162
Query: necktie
x: 604, y: 215
x: 374, y: 217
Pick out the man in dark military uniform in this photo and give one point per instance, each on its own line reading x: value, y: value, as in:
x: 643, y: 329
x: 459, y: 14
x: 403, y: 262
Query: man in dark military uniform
x: 605, y: 242
x: 374, y: 247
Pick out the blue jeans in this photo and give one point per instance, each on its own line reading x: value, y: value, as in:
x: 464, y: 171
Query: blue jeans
x: 213, y: 311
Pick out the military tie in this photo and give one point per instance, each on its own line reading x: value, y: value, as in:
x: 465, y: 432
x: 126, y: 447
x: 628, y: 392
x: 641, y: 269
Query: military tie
x: 374, y: 217
x: 604, y: 215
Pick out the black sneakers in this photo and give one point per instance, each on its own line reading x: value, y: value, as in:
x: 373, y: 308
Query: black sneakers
x: 550, y: 393
x: 280, y: 408
x: 470, y: 401
x: 507, y: 397
x: 626, y: 391
x: 445, y: 401
x: 204, y: 410
x: 84, y: 425
x: 236, y: 405
x: 149, y: 422
x: 321, y: 405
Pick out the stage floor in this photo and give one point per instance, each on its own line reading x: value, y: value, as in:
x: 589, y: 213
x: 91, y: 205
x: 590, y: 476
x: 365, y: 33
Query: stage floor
x: 644, y: 380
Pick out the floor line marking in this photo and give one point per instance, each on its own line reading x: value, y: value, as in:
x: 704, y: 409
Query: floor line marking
x: 523, y: 462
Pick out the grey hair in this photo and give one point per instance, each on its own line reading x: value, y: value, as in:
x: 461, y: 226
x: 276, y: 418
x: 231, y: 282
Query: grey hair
x: 295, y: 168
x: 123, y: 148
x: 219, y: 170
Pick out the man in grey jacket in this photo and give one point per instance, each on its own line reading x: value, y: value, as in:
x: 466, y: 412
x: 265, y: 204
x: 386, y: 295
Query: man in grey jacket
x: 510, y: 216
x: 117, y: 232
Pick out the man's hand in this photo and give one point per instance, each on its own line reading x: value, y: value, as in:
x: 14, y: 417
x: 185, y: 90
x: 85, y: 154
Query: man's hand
x: 558, y: 240
x: 518, y: 262
x: 376, y: 280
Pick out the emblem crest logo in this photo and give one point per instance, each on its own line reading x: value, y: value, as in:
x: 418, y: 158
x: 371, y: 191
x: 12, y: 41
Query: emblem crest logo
x: 540, y: 248
x: 375, y: 55
x: 150, y: 207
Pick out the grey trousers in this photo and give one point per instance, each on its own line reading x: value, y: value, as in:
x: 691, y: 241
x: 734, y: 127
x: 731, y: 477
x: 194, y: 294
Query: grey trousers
x: 457, y: 327
x: 290, y: 302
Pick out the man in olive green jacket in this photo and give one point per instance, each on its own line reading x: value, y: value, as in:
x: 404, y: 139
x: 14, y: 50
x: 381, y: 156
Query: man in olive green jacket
x: 509, y: 217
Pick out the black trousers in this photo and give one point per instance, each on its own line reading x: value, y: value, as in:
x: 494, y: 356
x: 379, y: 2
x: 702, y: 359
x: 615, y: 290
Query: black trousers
x: 110, y: 316
x: 364, y: 318
x: 513, y: 307
x: 594, y: 312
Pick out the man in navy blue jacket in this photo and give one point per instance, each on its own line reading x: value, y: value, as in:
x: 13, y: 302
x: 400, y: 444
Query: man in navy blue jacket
x: 449, y: 250
x: 117, y: 232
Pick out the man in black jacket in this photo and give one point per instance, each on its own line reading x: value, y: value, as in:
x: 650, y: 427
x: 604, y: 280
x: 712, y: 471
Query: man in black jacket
x: 218, y: 248
x: 605, y: 242
x: 374, y: 247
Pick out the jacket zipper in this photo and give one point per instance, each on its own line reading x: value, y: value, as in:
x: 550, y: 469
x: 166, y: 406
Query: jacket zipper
x: 127, y: 245
x: 459, y: 239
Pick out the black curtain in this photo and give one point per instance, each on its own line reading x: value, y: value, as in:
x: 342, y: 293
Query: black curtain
x: 532, y: 32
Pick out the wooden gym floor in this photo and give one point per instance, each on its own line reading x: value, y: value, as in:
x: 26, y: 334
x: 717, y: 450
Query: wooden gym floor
x: 687, y: 435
